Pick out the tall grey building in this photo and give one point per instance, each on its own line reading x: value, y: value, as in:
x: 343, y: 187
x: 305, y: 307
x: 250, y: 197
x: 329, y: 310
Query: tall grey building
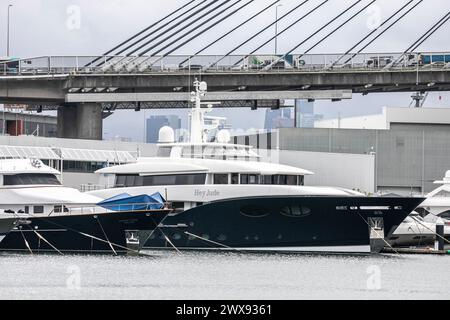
x: 155, y: 123
x: 280, y: 118
x: 305, y: 115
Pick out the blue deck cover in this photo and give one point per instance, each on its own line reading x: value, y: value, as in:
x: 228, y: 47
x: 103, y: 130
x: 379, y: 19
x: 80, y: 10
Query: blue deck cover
x: 126, y: 202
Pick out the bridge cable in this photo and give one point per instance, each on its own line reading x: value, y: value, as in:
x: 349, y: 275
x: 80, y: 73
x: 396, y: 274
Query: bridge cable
x: 433, y: 32
x: 385, y: 30
x: 429, y: 33
x: 180, y: 29
x: 164, y: 32
x: 257, y: 34
x: 134, y: 65
x: 323, y: 27
x: 165, y: 25
x: 199, y: 33
x: 371, y: 33
x: 229, y: 32
x: 422, y: 39
x: 143, y: 31
x: 286, y: 29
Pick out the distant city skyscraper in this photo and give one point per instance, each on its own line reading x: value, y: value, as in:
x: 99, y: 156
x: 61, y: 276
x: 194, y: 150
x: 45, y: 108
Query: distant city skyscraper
x: 305, y: 116
x: 155, y: 123
x: 281, y: 118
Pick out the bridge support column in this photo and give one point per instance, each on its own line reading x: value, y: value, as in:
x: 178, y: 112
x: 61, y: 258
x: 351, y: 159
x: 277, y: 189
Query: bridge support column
x: 81, y: 121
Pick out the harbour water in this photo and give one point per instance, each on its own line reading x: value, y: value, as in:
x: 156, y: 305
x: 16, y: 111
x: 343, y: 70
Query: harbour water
x: 202, y: 276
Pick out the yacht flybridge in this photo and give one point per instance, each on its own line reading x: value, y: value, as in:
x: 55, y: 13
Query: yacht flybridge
x: 437, y: 204
x: 227, y: 198
x: 37, y: 213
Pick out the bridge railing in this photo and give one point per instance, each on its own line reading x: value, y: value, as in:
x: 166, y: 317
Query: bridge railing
x: 215, y: 63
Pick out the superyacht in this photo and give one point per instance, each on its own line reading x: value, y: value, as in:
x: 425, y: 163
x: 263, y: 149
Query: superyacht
x: 226, y: 198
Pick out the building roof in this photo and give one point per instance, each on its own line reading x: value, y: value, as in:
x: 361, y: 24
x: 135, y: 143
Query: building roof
x: 47, y: 153
x: 390, y: 116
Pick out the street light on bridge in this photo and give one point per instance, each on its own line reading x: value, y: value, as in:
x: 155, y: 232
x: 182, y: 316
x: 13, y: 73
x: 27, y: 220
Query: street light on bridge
x: 276, y: 28
x: 7, y: 30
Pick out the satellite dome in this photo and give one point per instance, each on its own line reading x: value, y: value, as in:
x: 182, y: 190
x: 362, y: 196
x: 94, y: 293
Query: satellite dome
x: 166, y: 135
x: 447, y: 175
x: 223, y: 136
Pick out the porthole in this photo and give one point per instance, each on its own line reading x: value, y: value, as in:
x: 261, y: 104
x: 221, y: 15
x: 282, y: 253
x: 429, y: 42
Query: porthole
x: 254, y: 211
x: 296, y: 211
x: 222, y: 237
x: 176, y: 236
x: 205, y: 236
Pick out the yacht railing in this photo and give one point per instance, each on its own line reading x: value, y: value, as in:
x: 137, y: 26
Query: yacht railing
x: 92, y: 187
x: 104, y: 209
x: 65, y: 65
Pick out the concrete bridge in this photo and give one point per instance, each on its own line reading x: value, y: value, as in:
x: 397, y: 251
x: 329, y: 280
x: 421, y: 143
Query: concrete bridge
x: 82, y: 92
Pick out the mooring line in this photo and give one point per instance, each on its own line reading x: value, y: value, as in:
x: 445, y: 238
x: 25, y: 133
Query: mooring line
x: 170, y: 242
x: 104, y: 233
x: 26, y: 242
x: 81, y: 233
x: 434, y: 232
x: 384, y: 240
x: 45, y: 240
x: 210, y: 241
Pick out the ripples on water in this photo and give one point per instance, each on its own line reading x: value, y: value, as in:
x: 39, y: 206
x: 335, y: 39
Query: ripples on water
x: 224, y: 276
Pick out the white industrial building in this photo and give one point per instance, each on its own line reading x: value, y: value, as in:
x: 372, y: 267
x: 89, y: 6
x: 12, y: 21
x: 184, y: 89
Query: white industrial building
x: 410, y: 148
x: 389, y: 116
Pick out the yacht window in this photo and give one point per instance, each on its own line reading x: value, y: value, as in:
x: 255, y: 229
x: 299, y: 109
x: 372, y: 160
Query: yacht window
x: 301, y: 180
x: 296, y: 211
x: 442, y: 193
x: 254, y: 211
x: 221, y: 179
x: 266, y: 180
x: 235, y: 178
x: 57, y: 209
x: 30, y: 179
x: 160, y: 180
x: 139, y: 181
x: 38, y: 209
x: 445, y: 215
x: 181, y: 179
x: 178, y: 205
x: 244, y: 178
x: 27, y: 209
x: 129, y: 181
x: 120, y: 181
x: 291, y: 180
x: 164, y: 152
x: 253, y: 179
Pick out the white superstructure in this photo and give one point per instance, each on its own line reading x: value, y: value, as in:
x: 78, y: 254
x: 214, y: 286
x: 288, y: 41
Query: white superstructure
x: 28, y: 186
x: 436, y: 208
x: 199, y: 172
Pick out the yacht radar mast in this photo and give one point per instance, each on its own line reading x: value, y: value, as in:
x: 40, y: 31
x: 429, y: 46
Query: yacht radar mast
x: 197, y: 114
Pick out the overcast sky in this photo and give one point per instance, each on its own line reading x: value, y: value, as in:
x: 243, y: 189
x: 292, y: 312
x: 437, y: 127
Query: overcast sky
x: 52, y: 27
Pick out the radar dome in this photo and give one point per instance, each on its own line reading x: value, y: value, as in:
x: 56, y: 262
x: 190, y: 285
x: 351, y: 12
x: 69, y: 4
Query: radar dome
x: 447, y: 175
x: 223, y: 136
x: 166, y: 135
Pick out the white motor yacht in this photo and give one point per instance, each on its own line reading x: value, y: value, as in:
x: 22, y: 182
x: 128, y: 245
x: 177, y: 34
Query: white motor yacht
x: 226, y: 198
x: 436, y: 207
x: 40, y: 214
